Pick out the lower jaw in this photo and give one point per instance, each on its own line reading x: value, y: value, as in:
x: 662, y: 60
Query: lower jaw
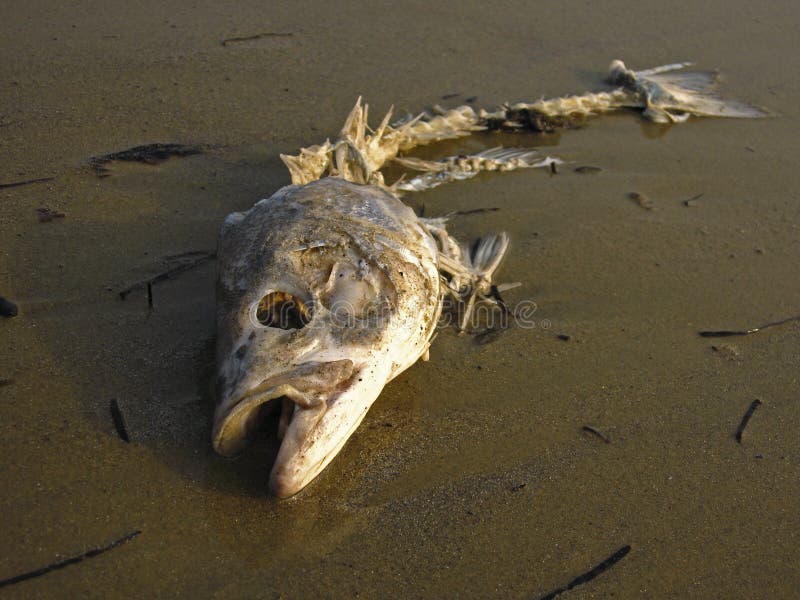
x: 289, y: 474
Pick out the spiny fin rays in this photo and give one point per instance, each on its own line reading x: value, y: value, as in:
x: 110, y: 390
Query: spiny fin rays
x: 358, y: 155
x: 457, y: 168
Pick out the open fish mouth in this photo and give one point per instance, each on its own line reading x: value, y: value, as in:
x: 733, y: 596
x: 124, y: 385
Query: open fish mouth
x: 322, y: 403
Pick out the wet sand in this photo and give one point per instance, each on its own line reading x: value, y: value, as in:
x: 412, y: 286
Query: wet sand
x: 472, y: 475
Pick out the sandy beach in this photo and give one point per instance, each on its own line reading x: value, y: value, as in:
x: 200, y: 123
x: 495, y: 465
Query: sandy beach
x: 495, y: 470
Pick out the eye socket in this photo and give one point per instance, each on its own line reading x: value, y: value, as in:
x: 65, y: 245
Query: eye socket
x: 282, y: 310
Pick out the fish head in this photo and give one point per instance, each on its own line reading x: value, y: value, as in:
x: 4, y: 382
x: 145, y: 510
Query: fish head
x: 313, y: 320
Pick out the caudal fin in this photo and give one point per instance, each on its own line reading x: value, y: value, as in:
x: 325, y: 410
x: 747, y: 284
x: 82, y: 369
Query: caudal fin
x: 671, y: 96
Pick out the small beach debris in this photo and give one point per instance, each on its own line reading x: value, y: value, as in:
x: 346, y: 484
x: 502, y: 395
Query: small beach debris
x: 596, y: 432
x: 518, y: 487
x: 119, y: 421
x: 642, y: 200
x: 587, y: 170
x: 149, y: 154
x: 563, y: 337
x: 474, y: 211
x: 257, y: 36
x: 589, y: 575
x: 746, y: 419
x: 8, y: 308
x: 187, y: 254
x: 732, y: 332
x: 69, y: 561
x: 449, y: 96
x: 471, y: 99
x: 5, y: 186
x: 727, y: 351
x: 6, y: 381
x: 494, y: 294
x: 197, y: 259
x: 693, y: 200
x: 489, y: 335
x: 46, y: 214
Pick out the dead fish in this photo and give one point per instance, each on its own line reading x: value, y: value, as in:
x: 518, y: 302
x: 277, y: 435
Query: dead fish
x: 331, y: 287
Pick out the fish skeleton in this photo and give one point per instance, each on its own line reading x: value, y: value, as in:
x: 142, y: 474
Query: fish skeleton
x: 331, y: 287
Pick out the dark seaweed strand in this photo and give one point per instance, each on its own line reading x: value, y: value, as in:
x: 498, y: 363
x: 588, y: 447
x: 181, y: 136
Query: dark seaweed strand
x: 495, y: 294
x: 165, y: 275
x: 257, y: 36
x: 688, y: 201
x: 148, y: 154
x: 589, y: 575
x: 119, y: 421
x: 597, y: 432
x: 70, y: 561
x: 746, y: 419
x: 713, y: 334
x: 8, y: 308
x: 474, y: 211
x: 729, y: 333
x: 187, y: 254
x: 5, y: 186
x: 489, y: 335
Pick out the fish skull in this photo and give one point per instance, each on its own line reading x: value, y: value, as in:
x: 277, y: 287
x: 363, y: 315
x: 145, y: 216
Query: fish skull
x: 325, y: 292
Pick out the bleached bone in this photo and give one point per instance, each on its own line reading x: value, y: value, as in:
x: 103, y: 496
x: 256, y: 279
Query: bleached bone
x: 662, y: 94
x: 457, y: 168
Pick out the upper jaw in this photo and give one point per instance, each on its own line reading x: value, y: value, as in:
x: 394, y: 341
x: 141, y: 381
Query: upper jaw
x: 308, y: 385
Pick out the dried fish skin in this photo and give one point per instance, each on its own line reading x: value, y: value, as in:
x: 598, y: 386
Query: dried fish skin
x: 364, y: 270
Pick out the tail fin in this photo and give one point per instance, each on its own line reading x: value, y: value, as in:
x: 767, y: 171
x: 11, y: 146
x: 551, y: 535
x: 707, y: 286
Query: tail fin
x: 668, y: 96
